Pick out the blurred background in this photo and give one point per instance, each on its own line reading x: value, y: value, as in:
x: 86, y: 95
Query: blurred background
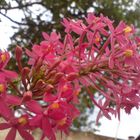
x: 23, y: 21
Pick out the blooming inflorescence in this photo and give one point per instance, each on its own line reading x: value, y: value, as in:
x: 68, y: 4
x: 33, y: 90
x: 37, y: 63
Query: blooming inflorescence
x: 94, y: 55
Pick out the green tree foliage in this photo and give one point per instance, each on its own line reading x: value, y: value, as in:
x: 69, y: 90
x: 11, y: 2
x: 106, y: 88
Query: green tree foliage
x: 46, y: 15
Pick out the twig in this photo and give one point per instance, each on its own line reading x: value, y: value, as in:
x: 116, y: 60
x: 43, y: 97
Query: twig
x: 16, y: 22
x: 21, y: 6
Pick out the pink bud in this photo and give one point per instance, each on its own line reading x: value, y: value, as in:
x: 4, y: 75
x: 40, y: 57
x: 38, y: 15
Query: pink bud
x: 51, y: 74
x: 24, y: 76
x: 27, y: 96
x: 38, y: 64
x: 49, y: 87
x: 72, y: 76
x: 39, y: 84
x: 56, y: 63
x: 58, y: 76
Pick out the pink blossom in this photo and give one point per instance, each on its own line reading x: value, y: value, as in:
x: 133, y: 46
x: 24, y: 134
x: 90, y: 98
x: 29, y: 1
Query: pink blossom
x: 20, y: 125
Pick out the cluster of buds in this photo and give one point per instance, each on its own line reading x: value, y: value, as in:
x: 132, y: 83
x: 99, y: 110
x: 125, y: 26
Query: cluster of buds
x: 93, y: 56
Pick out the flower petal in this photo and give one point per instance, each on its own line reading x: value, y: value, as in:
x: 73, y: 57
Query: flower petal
x: 11, y: 135
x: 4, y: 126
x: 36, y: 121
x: 13, y: 100
x: 25, y: 135
x: 47, y: 129
x: 34, y: 106
x: 5, y: 110
x: 10, y: 74
x: 48, y: 97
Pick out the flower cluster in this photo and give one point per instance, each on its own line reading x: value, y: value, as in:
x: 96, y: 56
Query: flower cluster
x: 93, y: 56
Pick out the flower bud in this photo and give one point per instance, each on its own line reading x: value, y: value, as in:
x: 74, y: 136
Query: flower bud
x: 49, y: 87
x: 72, y: 76
x: 58, y: 76
x: 24, y: 75
x: 39, y: 84
x: 27, y: 96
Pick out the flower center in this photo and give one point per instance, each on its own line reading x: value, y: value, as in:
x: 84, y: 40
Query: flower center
x: 55, y: 106
x: 65, y: 88
x: 22, y: 120
x: 62, y: 121
x: 127, y: 29
x: 3, y: 57
x: 97, y: 39
x: 128, y: 53
x: 1, y: 88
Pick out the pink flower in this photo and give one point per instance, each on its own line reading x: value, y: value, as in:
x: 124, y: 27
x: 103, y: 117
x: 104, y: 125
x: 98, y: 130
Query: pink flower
x: 97, y: 23
x: 40, y: 120
x: 20, y: 124
x: 6, y: 74
x: 4, y: 59
x: 62, y: 114
x: 131, y: 56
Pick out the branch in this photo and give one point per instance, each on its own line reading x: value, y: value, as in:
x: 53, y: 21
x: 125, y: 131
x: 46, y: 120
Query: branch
x: 16, y: 22
x: 21, y: 6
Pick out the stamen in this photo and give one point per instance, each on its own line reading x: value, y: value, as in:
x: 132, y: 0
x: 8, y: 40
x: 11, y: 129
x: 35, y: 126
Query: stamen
x: 55, y: 106
x: 128, y: 53
x: 3, y: 57
x: 62, y: 121
x: 97, y: 39
x: 22, y: 120
x: 127, y: 29
x: 1, y: 88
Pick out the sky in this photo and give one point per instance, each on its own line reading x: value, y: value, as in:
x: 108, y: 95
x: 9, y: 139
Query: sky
x: 5, y: 32
x: 128, y: 125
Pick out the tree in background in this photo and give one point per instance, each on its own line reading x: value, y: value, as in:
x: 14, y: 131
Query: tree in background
x: 50, y: 12
x: 45, y: 15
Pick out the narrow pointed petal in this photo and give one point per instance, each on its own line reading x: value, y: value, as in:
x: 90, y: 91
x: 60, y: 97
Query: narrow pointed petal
x: 25, y: 135
x: 34, y: 106
x: 47, y: 129
x: 11, y: 135
x: 13, y: 100
x: 4, y: 126
x: 5, y: 110
x: 10, y: 74
x: 36, y: 121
